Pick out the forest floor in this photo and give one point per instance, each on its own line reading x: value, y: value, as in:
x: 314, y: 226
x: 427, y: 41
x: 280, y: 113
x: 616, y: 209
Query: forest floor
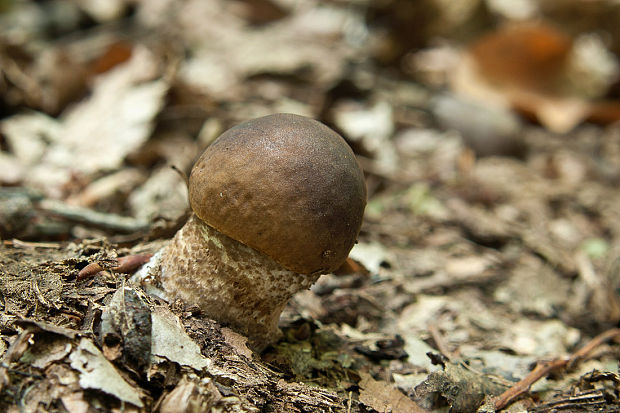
x: 487, y: 273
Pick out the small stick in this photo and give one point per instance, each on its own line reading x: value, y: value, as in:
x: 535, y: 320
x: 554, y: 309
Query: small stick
x: 543, y: 368
x: 439, y: 341
x: 85, y: 216
x: 613, y: 333
x: 15, y: 243
x: 182, y: 174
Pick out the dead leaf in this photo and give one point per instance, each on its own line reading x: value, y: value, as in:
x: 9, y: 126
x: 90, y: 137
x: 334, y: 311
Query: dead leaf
x: 538, y: 70
x: 47, y: 327
x: 463, y: 388
x: 14, y: 352
x: 371, y: 255
x: 487, y: 130
x: 171, y: 342
x: 385, y: 398
x: 96, y: 372
x: 126, y: 329
x: 115, y: 54
x: 117, y: 117
x: 531, y: 56
x: 115, y: 120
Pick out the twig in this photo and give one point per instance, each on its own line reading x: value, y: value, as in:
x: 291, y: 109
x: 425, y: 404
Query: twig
x: 349, y: 402
x: 15, y: 243
x: 182, y: 174
x: 580, y: 354
x: 543, y: 368
x: 92, y: 218
x: 440, y: 342
x: 35, y: 287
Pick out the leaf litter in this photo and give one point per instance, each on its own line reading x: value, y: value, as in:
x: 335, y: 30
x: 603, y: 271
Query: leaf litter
x: 486, y: 277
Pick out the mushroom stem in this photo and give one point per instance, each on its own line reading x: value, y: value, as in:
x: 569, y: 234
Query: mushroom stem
x: 229, y: 281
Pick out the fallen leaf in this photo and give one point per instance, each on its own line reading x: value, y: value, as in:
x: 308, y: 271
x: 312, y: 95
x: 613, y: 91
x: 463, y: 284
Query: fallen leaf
x: 384, y: 398
x: 170, y: 341
x: 531, y: 56
x: 539, y: 71
x: 126, y: 329
x: 462, y: 387
x: 116, y: 119
x: 371, y: 255
x: 96, y: 372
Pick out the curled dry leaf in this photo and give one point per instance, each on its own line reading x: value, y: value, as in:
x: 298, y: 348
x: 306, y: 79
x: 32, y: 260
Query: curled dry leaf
x: 126, y: 329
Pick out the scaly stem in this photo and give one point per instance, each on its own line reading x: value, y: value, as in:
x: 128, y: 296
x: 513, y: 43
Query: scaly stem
x: 229, y: 281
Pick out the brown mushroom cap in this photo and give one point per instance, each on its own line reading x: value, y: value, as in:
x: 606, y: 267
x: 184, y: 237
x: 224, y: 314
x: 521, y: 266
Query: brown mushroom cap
x: 285, y: 185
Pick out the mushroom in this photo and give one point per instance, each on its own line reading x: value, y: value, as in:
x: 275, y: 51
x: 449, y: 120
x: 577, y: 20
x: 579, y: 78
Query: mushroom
x: 277, y: 201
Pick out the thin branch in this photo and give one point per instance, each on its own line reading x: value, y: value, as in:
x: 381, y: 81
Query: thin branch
x: 543, y: 368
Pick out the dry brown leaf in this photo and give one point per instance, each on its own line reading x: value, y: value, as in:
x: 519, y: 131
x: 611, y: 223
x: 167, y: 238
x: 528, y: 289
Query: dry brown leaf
x: 385, y: 398
x: 531, y: 56
x: 531, y: 67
